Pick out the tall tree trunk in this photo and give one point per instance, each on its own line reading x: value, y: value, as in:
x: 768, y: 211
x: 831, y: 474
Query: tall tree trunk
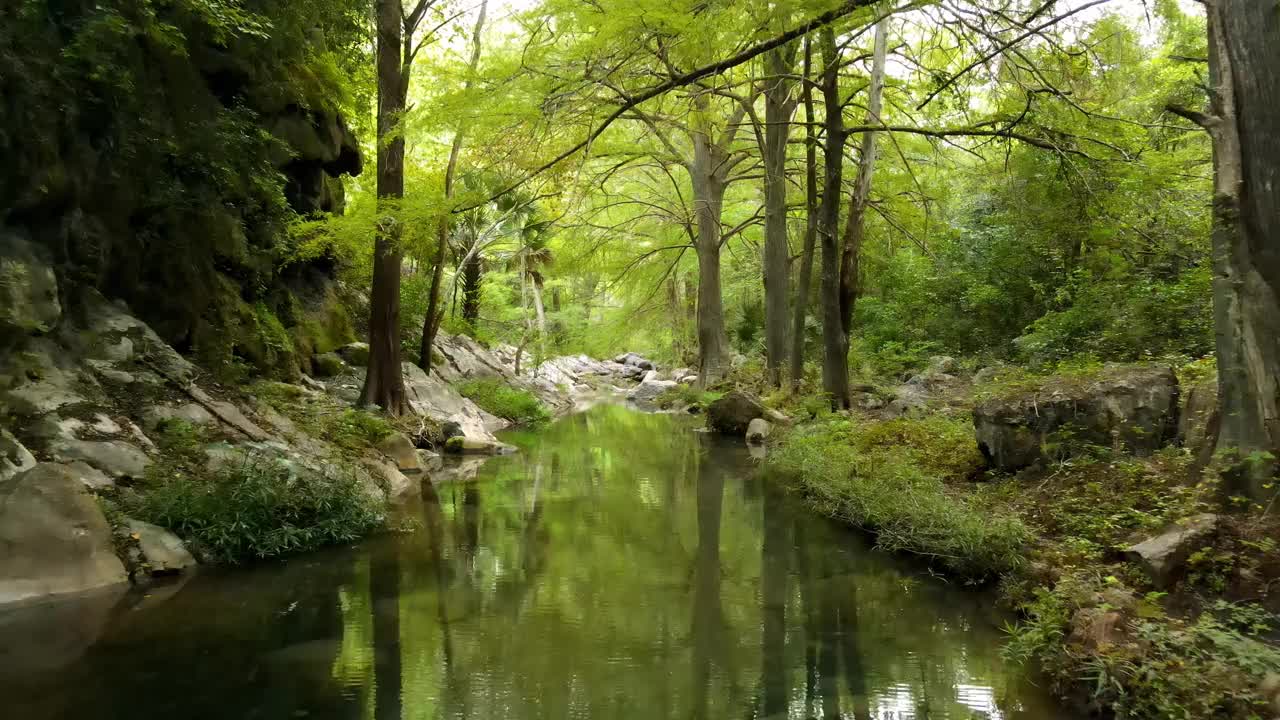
x: 835, y: 343
x: 851, y: 254
x: 708, y: 201
x: 431, y: 321
x: 779, y: 104
x: 811, y: 226
x: 384, y: 381
x: 1244, y: 62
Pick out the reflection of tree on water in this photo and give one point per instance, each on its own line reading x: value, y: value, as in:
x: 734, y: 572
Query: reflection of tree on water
x: 775, y: 551
x: 618, y: 568
x: 384, y: 586
x: 708, y: 618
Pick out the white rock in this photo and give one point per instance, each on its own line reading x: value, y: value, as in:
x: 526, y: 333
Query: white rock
x: 14, y: 458
x: 116, y: 459
x: 163, y: 552
x: 55, y: 538
x: 758, y: 431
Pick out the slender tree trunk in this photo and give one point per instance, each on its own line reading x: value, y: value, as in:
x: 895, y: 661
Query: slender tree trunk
x: 539, y: 312
x: 779, y: 105
x: 1244, y: 61
x: 835, y: 343
x: 384, y: 381
x: 851, y: 254
x: 431, y: 321
x: 811, y: 227
x: 472, y: 274
x: 708, y: 199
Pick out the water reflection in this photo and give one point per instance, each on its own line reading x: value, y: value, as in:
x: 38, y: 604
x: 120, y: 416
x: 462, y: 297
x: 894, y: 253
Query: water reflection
x: 621, y: 566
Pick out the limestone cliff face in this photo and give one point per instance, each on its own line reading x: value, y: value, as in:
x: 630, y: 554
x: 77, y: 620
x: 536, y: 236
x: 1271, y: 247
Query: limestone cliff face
x: 158, y: 158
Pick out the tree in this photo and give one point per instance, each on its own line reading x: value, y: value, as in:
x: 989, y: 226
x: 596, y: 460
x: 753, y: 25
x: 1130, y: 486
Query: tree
x: 779, y: 105
x: 851, y: 250
x: 397, y: 48
x: 811, y: 224
x: 835, y: 344
x: 1244, y: 64
x: 431, y: 320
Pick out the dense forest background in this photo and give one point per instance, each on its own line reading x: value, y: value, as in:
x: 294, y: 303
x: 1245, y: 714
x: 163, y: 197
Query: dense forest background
x: 1038, y: 202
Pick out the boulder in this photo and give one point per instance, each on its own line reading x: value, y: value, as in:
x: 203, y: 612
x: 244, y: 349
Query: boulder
x: 28, y: 288
x: 400, y: 450
x: 119, y: 460
x: 107, y: 331
x: 162, y: 552
x: 430, y: 395
x: 633, y: 360
x: 758, y: 431
x: 44, y: 381
x: 733, y: 413
x: 91, y: 477
x: 909, y: 399
x: 1134, y: 406
x: 1163, y: 556
x: 650, y: 388
x: 941, y: 365
x: 14, y: 458
x: 355, y: 354
x: 193, y: 413
x: 988, y: 374
x: 55, y: 537
x: 327, y: 365
x: 395, y: 484
x: 474, y: 446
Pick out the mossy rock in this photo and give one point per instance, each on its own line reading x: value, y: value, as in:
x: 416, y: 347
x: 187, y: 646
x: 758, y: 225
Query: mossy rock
x: 327, y: 365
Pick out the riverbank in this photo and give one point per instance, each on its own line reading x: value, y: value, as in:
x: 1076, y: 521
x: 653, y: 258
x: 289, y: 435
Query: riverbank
x: 620, y: 564
x: 122, y: 461
x: 1146, y: 591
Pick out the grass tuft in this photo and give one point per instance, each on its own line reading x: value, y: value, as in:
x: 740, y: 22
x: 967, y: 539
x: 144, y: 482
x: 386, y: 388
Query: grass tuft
x: 890, y: 478
x: 515, y: 404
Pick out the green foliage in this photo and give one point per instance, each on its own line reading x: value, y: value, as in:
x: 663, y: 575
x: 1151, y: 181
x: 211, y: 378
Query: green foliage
x: 253, y: 506
x: 322, y: 417
x: 686, y: 396
x: 891, y: 478
x: 497, y: 397
x: 261, y: 508
x: 1210, y: 666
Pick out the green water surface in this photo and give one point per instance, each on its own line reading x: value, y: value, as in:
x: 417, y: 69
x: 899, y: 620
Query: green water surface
x: 621, y: 565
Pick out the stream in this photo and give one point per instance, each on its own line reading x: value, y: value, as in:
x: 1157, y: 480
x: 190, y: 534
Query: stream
x: 620, y: 566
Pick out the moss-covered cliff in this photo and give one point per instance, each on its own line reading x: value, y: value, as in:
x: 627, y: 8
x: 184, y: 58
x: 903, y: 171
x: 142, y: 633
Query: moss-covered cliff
x: 159, y: 149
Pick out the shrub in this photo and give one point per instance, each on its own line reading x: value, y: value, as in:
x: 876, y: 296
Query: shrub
x: 890, y: 478
x: 515, y: 404
x: 261, y: 508
x: 325, y: 418
x: 686, y: 396
x: 1211, y: 666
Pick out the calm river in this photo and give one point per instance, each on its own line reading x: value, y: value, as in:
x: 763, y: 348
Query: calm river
x: 620, y: 566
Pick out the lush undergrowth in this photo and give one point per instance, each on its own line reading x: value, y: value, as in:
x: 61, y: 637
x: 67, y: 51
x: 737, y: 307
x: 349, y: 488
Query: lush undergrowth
x: 514, y: 404
x: 248, y: 506
x: 891, y: 478
x: 1095, y: 623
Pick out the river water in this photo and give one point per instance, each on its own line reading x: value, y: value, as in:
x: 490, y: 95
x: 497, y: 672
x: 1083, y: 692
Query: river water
x: 620, y: 566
